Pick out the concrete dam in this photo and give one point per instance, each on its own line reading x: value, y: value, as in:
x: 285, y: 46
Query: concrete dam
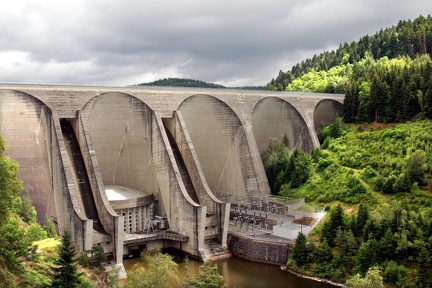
x: 113, y: 165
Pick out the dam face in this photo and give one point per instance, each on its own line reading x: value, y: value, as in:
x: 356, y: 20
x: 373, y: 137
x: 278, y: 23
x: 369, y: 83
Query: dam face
x: 173, y: 160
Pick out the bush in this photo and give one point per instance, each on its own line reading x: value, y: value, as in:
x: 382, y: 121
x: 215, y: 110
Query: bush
x: 93, y: 258
x: 355, y: 186
x: 35, y: 233
x: 395, y: 274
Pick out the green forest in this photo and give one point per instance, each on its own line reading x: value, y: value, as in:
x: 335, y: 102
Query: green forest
x: 373, y: 172
x: 375, y: 182
x: 385, y: 77
x: 192, y: 83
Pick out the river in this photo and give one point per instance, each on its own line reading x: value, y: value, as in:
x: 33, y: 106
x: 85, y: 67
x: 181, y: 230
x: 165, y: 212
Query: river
x: 244, y: 274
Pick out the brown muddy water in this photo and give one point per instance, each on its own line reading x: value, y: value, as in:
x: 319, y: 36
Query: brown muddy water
x: 243, y: 274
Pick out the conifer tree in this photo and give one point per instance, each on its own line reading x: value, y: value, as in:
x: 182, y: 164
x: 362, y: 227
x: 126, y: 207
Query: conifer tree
x: 424, y: 273
x: 362, y: 217
x: 324, y: 254
x: 387, y: 245
x: 65, y: 272
x: 331, y: 227
x: 300, y: 250
x: 363, y: 258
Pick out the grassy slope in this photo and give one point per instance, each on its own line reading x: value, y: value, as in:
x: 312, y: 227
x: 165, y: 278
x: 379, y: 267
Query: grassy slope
x: 348, y: 169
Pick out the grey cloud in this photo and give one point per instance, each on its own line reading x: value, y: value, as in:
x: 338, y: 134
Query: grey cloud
x: 228, y: 42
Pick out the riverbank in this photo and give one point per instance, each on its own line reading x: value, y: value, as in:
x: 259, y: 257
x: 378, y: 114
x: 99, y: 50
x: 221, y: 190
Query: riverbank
x: 317, y: 279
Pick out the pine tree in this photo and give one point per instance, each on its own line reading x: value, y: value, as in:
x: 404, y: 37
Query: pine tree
x: 324, y: 254
x: 362, y: 217
x: 365, y: 258
x: 65, y: 271
x: 331, y: 227
x: 423, y: 274
x: 336, y: 129
x: 387, y: 245
x: 300, y: 250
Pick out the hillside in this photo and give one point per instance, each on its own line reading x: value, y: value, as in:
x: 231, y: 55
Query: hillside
x: 407, y: 38
x: 382, y: 82
x: 376, y: 182
x: 179, y: 82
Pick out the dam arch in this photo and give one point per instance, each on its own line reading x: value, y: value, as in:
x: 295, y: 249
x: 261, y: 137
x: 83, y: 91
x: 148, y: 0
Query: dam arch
x: 326, y: 111
x: 219, y: 139
x: 273, y: 118
x: 26, y: 127
x: 120, y: 127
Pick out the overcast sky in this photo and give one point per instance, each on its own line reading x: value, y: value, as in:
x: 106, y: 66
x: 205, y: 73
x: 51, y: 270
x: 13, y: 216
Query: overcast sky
x: 233, y: 43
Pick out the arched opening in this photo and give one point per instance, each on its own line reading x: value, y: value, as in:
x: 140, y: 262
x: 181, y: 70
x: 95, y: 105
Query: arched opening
x: 120, y: 127
x: 325, y: 112
x: 273, y: 118
x: 219, y: 140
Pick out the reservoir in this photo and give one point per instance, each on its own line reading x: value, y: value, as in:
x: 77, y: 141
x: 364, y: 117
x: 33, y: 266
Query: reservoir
x: 244, y: 274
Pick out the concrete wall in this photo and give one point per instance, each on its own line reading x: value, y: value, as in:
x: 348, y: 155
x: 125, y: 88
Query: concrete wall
x: 218, y: 137
x: 68, y: 215
x: 119, y: 126
x: 216, y: 208
x: 184, y: 215
x: 123, y: 142
x: 26, y: 128
x: 259, y: 251
x: 131, y: 148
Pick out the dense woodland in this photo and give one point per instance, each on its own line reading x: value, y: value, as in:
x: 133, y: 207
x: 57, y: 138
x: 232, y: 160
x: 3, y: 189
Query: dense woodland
x: 375, y: 182
x: 385, y: 77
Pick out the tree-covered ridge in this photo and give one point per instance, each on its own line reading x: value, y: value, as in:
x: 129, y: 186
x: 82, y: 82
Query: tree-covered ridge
x: 407, y: 38
x: 381, y: 176
x: 180, y: 82
x: 384, y: 90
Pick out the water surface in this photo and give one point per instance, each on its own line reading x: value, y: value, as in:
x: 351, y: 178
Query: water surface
x: 244, y: 274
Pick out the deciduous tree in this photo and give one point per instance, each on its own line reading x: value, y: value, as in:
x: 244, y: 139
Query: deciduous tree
x: 161, y: 271
x: 372, y: 279
x: 208, y: 277
x: 10, y: 185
